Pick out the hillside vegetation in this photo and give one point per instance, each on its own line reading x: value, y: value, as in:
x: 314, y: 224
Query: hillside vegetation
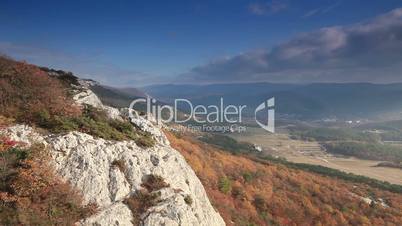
x: 30, y: 95
x: 247, y: 192
x: 26, y: 91
x: 232, y: 146
x: 30, y: 194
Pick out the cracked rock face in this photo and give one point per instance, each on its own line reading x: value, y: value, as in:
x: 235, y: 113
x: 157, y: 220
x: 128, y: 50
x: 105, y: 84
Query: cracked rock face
x: 88, y: 164
x: 86, y: 96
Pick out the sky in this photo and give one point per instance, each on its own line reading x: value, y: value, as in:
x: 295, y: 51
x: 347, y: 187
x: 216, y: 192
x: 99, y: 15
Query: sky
x: 137, y: 43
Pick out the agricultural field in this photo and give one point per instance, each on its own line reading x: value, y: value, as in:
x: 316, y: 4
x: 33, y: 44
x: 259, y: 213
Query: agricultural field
x: 311, y: 152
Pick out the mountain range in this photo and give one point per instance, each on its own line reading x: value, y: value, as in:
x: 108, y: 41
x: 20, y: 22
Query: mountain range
x: 301, y: 101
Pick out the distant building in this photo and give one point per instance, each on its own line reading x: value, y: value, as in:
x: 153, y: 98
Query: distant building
x: 257, y: 148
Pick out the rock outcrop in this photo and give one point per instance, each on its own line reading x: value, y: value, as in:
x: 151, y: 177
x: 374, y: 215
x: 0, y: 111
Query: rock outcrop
x: 87, y: 163
x: 86, y: 96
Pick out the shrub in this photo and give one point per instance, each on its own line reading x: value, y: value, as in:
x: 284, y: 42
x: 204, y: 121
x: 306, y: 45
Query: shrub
x: 25, y: 90
x: 30, y: 95
x: 154, y: 182
x: 238, y: 192
x: 10, y: 159
x: 248, y: 177
x: 95, y: 122
x: 225, y: 185
x: 119, y: 164
x: 30, y: 194
x: 6, y: 143
x: 228, y: 143
x: 188, y: 200
x: 4, y: 121
x: 66, y: 77
x: 140, y: 202
x: 260, y: 203
x: 145, y: 140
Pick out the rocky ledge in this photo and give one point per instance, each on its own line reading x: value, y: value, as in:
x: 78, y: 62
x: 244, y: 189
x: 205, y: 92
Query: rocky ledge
x: 88, y: 164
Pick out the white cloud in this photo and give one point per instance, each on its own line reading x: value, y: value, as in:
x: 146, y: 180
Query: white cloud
x: 321, y: 10
x: 370, y: 51
x: 273, y: 6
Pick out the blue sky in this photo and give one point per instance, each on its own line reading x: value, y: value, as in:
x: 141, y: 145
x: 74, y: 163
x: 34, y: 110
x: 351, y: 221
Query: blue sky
x: 133, y: 43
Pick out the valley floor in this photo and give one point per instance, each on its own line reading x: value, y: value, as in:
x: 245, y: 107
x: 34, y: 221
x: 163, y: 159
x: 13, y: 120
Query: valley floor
x: 311, y: 153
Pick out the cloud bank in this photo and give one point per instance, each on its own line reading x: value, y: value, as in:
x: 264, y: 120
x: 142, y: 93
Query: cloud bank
x: 370, y: 51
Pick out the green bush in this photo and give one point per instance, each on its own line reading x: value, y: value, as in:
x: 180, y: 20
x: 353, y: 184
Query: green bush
x: 225, y: 185
x: 248, y: 176
x: 10, y: 159
x: 188, y: 200
x: 95, y: 122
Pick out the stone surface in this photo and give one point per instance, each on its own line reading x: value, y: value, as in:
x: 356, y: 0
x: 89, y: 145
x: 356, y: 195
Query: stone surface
x: 86, y: 96
x: 115, y: 215
x: 23, y: 134
x: 87, y: 163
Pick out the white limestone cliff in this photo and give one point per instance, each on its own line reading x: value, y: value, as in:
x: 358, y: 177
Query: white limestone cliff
x: 86, y: 162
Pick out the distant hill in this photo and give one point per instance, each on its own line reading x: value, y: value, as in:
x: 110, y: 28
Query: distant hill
x: 304, y: 101
x: 116, y: 97
x: 129, y: 91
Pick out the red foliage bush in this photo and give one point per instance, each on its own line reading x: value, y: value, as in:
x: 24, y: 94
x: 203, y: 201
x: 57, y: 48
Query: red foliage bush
x: 31, y: 194
x: 6, y: 143
x: 26, y: 90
